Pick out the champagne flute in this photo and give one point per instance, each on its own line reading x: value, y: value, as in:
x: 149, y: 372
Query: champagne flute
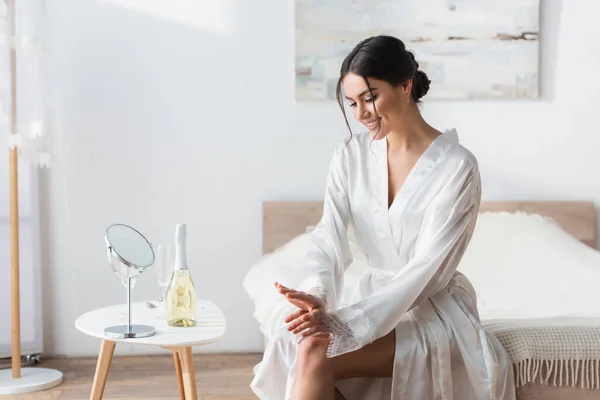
x: 163, y: 266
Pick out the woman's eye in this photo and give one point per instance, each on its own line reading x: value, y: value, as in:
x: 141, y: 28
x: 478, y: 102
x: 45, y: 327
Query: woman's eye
x: 370, y: 99
x: 352, y: 104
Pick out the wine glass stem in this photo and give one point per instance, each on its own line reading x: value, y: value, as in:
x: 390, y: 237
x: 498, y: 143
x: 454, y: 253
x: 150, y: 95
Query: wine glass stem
x: 129, y: 305
x: 164, y: 298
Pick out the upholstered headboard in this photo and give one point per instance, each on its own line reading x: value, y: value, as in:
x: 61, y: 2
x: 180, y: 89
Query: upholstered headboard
x: 283, y: 220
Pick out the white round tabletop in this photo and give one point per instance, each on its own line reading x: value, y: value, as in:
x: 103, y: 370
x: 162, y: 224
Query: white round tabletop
x: 210, y: 324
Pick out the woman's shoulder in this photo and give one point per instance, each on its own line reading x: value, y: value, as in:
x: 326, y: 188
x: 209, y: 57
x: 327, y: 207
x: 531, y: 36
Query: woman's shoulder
x: 461, y: 155
x: 456, y: 152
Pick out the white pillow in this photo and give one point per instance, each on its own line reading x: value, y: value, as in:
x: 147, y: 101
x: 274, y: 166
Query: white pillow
x: 525, y: 266
x: 282, y: 265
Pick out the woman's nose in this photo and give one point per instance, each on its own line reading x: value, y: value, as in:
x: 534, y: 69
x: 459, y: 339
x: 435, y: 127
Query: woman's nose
x: 363, y: 112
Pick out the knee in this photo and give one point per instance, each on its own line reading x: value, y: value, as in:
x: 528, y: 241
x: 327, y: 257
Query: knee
x: 312, y: 355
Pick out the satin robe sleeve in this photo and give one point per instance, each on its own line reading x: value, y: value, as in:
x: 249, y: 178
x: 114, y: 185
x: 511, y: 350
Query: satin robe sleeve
x: 329, y: 253
x: 445, y: 232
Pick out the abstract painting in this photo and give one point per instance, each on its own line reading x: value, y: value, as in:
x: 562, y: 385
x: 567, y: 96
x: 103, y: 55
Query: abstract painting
x: 470, y: 49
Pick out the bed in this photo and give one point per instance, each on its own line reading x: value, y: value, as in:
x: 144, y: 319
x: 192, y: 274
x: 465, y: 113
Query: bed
x: 538, y: 377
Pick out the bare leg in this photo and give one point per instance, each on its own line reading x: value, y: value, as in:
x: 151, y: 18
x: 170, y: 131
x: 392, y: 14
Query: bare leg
x: 375, y: 360
x: 316, y: 374
x: 312, y: 379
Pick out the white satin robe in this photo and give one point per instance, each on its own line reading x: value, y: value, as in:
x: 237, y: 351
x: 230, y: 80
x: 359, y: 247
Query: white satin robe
x: 412, y: 286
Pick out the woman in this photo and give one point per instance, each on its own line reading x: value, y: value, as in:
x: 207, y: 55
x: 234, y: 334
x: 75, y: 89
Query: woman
x: 411, y: 195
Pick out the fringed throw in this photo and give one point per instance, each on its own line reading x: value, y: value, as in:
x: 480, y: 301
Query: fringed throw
x: 574, y: 373
x: 567, y: 355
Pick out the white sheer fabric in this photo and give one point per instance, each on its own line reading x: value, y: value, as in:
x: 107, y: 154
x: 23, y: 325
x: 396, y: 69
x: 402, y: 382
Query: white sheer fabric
x: 36, y: 117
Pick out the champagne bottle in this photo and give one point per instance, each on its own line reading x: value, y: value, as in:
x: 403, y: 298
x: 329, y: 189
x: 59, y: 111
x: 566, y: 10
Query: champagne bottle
x: 181, y: 293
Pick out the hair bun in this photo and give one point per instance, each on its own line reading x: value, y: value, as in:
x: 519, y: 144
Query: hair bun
x: 420, y: 85
x: 420, y: 79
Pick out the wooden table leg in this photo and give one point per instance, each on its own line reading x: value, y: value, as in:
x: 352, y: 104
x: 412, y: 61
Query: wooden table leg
x: 107, y: 349
x: 189, y: 376
x: 177, y: 361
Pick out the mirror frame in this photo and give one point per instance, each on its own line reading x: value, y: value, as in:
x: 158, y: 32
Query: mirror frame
x: 111, y: 249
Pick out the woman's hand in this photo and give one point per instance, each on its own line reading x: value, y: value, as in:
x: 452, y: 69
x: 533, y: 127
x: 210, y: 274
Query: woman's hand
x: 310, y: 316
x: 303, y: 301
x: 308, y: 322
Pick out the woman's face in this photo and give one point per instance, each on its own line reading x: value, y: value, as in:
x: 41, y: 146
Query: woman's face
x: 380, y: 111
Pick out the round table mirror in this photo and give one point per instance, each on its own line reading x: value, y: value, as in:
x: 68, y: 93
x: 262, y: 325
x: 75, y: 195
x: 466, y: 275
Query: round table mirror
x: 129, y: 255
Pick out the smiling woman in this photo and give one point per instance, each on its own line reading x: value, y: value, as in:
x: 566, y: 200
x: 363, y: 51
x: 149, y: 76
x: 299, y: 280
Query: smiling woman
x: 392, y: 79
x: 411, y: 195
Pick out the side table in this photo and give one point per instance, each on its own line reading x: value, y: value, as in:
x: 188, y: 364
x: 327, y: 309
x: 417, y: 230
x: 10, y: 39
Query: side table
x: 210, y: 327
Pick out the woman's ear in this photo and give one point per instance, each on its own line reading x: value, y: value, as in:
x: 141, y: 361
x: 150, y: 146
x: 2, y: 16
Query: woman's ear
x: 407, y: 86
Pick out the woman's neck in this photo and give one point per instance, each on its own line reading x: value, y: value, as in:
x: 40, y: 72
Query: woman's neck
x: 412, y: 133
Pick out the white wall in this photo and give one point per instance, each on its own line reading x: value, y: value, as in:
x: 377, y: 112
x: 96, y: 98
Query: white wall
x: 188, y: 115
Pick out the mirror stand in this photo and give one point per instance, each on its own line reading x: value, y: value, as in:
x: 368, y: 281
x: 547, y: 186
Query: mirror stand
x: 129, y: 255
x: 129, y: 330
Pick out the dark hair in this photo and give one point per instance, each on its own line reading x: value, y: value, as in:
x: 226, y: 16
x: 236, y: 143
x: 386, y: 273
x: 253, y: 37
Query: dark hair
x: 383, y: 58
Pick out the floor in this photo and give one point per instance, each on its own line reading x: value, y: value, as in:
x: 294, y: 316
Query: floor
x: 218, y: 377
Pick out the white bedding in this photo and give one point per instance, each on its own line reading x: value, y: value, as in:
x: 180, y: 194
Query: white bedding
x: 537, y: 292
x: 526, y: 267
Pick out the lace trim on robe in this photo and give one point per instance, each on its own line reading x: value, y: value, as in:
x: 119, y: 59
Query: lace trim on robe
x: 320, y: 293
x: 341, y: 338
